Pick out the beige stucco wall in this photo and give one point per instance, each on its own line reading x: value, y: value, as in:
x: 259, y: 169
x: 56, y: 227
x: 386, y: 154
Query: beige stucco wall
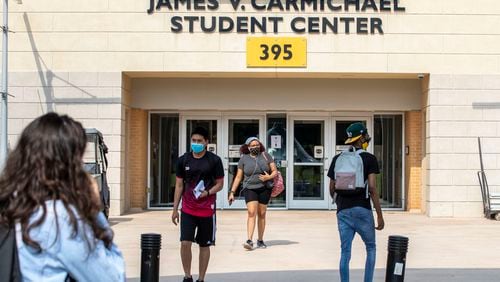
x: 457, y: 37
x: 277, y: 94
x: 460, y: 109
x: 95, y: 99
x: 69, y: 56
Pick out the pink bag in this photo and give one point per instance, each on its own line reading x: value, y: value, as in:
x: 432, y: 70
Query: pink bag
x: 278, y: 187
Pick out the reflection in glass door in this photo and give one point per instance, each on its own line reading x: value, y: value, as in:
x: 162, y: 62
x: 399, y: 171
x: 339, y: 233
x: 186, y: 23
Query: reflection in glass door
x: 388, y: 148
x: 238, y: 130
x: 341, y: 135
x: 309, y: 155
x: 386, y: 145
x: 164, y: 151
x: 341, y: 125
x: 211, y: 124
x: 276, y: 147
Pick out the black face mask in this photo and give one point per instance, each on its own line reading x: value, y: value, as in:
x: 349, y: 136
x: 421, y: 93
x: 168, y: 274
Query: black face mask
x: 254, y: 151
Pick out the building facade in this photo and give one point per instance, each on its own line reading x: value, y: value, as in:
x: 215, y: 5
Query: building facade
x: 423, y: 75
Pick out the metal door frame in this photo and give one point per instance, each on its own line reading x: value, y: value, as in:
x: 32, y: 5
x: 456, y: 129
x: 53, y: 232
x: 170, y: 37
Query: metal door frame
x: 226, y: 117
x: 308, y: 204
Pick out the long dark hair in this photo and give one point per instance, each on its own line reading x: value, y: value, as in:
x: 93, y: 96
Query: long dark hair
x: 47, y: 165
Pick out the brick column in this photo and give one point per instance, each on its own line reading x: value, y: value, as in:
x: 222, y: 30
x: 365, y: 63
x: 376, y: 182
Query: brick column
x: 413, y: 160
x: 138, y: 157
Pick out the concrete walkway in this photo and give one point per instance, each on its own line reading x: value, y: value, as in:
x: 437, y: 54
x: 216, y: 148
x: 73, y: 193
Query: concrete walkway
x: 304, y: 246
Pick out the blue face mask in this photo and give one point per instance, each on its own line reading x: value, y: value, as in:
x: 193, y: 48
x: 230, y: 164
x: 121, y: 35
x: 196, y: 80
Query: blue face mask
x: 197, y: 148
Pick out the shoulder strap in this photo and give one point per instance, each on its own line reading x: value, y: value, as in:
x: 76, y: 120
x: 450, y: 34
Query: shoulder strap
x: 185, y: 159
x: 360, y: 151
x: 264, y: 154
x: 212, y: 161
x: 265, y: 157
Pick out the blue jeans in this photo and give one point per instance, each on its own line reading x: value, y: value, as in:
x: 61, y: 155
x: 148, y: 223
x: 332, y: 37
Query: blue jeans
x: 351, y: 221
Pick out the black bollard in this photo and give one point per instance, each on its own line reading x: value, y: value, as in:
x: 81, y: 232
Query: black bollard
x: 150, y: 257
x: 396, y: 259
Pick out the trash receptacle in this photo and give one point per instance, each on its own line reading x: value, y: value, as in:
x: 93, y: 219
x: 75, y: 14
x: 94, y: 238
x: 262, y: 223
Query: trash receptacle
x: 150, y: 257
x: 396, y: 258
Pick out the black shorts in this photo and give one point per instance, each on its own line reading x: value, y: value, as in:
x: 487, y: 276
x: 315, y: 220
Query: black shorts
x: 204, y: 227
x: 262, y: 195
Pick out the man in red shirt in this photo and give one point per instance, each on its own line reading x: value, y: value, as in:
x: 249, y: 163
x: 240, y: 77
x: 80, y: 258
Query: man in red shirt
x: 197, y: 169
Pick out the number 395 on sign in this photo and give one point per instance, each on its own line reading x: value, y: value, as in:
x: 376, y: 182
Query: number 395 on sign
x: 276, y: 52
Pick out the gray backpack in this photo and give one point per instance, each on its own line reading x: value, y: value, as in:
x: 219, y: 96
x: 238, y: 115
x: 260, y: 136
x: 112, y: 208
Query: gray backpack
x: 349, y: 172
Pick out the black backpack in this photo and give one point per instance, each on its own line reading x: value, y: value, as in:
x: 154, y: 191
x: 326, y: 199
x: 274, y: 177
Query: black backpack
x: 9, y: 264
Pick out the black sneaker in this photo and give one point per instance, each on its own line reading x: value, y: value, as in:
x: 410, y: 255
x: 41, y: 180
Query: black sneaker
x: 261, y: 244
x: 199, y: 280
x: 187, y: 279
x: 248, y: 245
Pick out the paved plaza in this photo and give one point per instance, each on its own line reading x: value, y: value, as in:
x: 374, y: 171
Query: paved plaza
x: 304, y: 246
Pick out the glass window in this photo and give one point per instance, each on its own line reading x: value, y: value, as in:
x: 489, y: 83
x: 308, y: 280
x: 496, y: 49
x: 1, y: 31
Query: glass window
x: 276, y: 147
x: 388, y: 145
x: 308, y: 164
x: 209, y: 125
x: 239, y: 131
x: 164, y: 153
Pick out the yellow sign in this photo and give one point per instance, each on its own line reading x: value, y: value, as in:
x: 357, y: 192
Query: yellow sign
x: 277, y: 52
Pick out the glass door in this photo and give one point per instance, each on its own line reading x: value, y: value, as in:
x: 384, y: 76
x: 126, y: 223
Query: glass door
x: 308, y: 163
x: 341, y: 124
x: 388, y: 148
x: 212, y: 125
x: 163, y: 152
x: 276, y: 147
x: 237, y: 129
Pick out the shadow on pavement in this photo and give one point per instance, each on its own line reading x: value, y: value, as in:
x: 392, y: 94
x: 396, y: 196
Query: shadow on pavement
x: 412, y: 275
x: 271, y: 243
x: 115, y: 221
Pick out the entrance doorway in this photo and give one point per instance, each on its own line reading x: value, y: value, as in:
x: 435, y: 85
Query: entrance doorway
x: 301, y: 145
x: 309, y: 151
x: 238, y: 129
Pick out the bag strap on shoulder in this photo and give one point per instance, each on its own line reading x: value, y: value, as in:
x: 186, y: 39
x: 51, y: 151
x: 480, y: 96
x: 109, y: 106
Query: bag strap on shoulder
x: 264, y: 154
x: 358, y: 152
x: 185, y: 157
